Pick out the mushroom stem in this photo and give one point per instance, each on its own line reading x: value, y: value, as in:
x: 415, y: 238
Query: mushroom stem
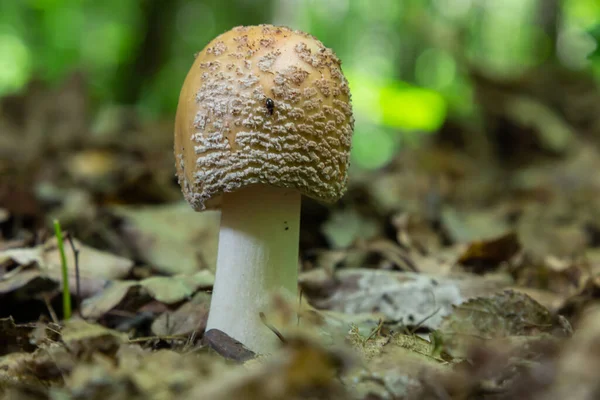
x: 258, y: 257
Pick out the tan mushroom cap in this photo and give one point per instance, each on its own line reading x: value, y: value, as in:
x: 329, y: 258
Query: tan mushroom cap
x: 228, y: 134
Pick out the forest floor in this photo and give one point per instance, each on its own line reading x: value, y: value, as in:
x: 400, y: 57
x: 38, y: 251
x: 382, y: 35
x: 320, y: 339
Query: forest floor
x: 468, y: 268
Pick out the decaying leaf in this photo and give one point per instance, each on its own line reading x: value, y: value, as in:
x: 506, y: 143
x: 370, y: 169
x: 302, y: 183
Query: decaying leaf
x: 111, y: 297
x: 84, y: 339
x: 504, y: 315
x: 484, y: 255
x: 179, y: 287
x: 23, y: 257
x: 190, y: 317
x: 138, y: 374
x: 164, y: 289
x: 95, y: 267
x: 302, y: 369
x: 587, y: 296
x: 172, y: 238
x: 403, y: 298
x: 25, y: 374
x: 15, y: 338
x: 391, y: 364
x: 579, y: 362
x: 465, y: 227
x: 27, y: 284
x: 92, y: 263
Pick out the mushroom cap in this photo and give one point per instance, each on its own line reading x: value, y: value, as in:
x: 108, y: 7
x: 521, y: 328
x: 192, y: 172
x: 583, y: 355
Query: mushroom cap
x: 263, y: 105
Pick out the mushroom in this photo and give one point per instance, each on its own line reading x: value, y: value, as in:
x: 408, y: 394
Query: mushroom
x: 264, y: 116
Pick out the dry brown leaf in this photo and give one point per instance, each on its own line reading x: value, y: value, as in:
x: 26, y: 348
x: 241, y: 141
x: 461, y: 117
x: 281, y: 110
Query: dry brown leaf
x: 93, y: 263
x: 84, y: 339
x: 579, y: 362
x: 391, y: 365
x: 485, y: 255
x: 300, y: 370
x: 172, y: 238
x: 504, y: 315
x: 190, y: 317
x: 129, y: 295
x: 15, y: 338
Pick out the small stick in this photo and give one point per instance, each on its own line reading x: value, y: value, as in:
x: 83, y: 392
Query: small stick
x: 375, y: 331
x: 77, y: 280
x: 65, y: 273
x: 263, y: 318
x: 50, y: 308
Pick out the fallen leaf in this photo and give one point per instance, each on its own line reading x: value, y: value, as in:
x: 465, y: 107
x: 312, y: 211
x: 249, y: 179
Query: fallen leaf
x: 299, y: 369
x: 129, y: 295
x: 504, y: 315
x: 93, y: 263
x: 463, y: 227
x: 484, y: 255
x: 172, y: 238
x: 172, y: 289
x: 84, y: 339
x: 27, y: 283
x: 404, y: 298
x: 15, y: 338
x: 95, y: 266
x: 110, y: 298
x: 391, y: 365
x: 189, y: 317
x: 578, y: 364
x: 23, y: 257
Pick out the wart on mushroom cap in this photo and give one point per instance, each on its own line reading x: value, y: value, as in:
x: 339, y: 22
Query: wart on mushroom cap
x: 225, y: 136
x: 264, y: 116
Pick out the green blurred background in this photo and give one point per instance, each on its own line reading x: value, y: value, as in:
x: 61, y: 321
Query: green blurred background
x: 407, y: 61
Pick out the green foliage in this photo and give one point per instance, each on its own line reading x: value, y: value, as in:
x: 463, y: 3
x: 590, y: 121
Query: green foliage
x: 407, y: 61
x: 595, y: 33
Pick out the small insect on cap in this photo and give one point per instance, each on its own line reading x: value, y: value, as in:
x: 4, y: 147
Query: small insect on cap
x: 267, y: 105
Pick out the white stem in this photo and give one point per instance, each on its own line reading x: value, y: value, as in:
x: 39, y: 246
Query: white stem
x: 258, y: 257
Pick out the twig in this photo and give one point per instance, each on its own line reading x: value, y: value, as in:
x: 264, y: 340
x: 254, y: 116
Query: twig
x: 77, y: 280
x: 65, y: 273
x: 375, y: 331
x: 422, y: 321
x: 50, y: 308
x: 263, y: 318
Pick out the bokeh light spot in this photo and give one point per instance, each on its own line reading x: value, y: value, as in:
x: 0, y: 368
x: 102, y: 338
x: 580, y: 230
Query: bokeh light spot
x: 435, y: 69
x: 396, y: 104
x: 412, y: 108
x: 573, y: 48
x: 372, y: 147
x: 103, y: 44
x: 15, y: 63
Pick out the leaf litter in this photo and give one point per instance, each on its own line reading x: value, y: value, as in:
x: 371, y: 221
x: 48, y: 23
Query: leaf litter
x: 457, y: 271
